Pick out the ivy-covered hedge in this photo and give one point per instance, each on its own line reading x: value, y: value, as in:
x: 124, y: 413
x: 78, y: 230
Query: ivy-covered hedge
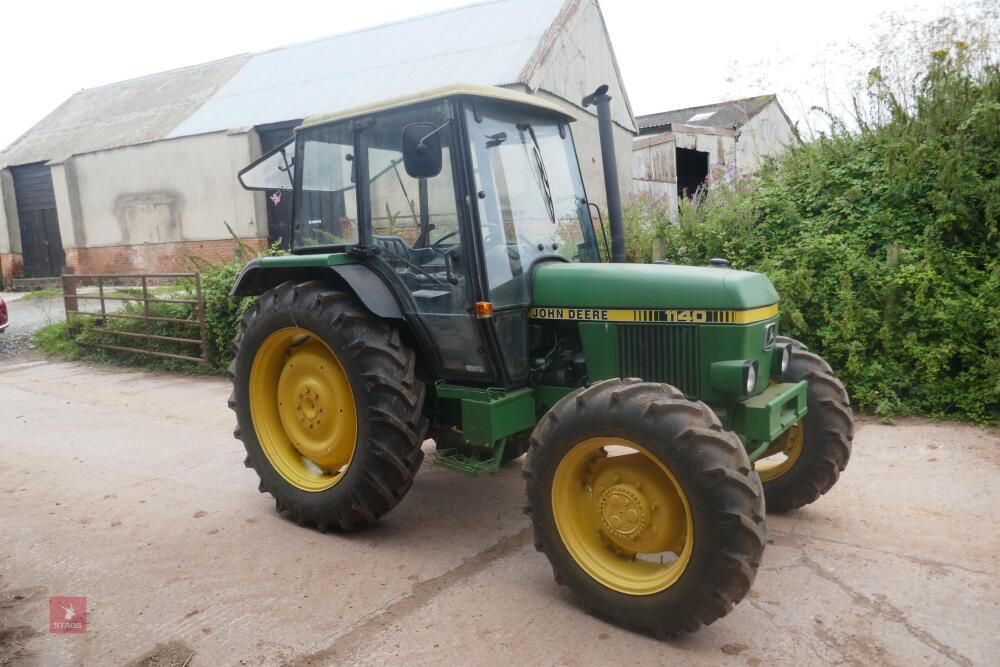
x: 884, y: 243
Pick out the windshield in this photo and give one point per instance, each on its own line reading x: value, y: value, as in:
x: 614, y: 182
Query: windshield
x: 531, y: 199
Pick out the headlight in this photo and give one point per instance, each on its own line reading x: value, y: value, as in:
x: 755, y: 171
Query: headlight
x: 782, y: 357
x: 750, y: 377
x: 737, y: 377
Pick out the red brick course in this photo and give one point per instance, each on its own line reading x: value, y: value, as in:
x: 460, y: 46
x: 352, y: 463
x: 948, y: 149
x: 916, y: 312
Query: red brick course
x: 156, y: 257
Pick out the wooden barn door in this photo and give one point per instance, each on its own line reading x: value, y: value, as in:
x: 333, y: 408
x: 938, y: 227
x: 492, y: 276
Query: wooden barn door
x: 41, y: 245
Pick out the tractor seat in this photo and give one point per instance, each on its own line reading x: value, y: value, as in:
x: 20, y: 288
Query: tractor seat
x: 392, y: 246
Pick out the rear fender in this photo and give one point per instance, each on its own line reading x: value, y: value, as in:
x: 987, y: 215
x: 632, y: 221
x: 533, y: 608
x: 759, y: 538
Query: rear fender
x: 370, y: 289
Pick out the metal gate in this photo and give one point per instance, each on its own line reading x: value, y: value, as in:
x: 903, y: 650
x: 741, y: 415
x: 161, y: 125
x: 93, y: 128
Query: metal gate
x: 41, y: 244
x: 113, y: 290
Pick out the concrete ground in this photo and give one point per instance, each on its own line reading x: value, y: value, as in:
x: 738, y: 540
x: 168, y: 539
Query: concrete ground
x: 128, y: 488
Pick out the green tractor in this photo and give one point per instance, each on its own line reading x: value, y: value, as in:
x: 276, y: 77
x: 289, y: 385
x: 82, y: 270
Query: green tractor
x: 446, y: 281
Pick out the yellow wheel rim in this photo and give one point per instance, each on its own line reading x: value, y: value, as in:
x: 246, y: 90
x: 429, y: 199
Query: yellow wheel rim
x: 303, y: 409
x: 787, y: 450
x: 622, y: 515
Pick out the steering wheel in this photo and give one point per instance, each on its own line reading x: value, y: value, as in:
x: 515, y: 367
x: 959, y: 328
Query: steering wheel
x: 434, y: 246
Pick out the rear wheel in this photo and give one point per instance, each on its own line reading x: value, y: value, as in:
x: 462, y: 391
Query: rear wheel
x: 327, y: 406
x: 808, y: 459
x: 645, y: 507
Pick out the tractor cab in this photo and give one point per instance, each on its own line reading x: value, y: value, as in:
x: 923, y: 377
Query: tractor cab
x: 452, y: 197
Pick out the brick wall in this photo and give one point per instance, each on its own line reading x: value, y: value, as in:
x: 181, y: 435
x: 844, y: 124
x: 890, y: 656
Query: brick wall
x: 155, y: 257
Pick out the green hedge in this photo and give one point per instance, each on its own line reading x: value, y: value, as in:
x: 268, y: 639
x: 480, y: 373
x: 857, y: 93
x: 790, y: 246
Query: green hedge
x: 884, y: 244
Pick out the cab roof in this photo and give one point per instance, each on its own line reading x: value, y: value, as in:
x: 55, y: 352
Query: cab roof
x: 455, y: 90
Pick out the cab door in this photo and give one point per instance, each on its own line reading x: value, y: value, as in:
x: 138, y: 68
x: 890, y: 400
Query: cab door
x: 420, y: 229
x: 531, y: 207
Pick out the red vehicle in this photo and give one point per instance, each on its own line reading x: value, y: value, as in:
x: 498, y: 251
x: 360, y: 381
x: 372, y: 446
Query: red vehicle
x: 3, y: 315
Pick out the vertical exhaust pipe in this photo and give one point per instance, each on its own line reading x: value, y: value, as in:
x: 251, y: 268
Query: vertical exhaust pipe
x: 602, y: 101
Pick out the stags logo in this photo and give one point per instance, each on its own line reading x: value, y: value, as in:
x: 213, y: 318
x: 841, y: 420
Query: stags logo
x: 67, y: 615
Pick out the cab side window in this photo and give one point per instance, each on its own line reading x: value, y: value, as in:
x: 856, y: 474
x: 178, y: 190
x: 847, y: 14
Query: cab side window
x: 326, y: 205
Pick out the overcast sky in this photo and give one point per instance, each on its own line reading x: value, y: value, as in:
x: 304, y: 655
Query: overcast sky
x: 671, y: 54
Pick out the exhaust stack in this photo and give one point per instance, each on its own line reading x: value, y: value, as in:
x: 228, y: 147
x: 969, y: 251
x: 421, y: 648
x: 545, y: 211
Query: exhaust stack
x: 602, y: 101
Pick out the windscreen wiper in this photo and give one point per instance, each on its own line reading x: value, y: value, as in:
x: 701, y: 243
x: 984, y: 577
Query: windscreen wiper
x: 540, y: 169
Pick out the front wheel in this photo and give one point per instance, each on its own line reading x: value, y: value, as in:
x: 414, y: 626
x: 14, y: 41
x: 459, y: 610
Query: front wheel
x: 645, y: 507
x: 807, y: 460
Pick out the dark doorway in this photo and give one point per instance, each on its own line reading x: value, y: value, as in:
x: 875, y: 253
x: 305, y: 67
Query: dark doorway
x: 41, y: 244
x: 692, y: 170
x: 279, y: 203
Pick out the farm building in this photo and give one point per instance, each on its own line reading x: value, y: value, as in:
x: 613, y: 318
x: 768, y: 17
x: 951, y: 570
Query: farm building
x: 678, y: 151
x: 140, y: 175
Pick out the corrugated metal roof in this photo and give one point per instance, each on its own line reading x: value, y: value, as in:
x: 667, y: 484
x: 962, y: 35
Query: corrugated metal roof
x: 488, y: 43
x: 731, y: 115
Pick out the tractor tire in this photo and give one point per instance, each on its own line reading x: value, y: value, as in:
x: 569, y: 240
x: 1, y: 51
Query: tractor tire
x: 686, y: 488
x: 327, y: 406
x: 817, y: 448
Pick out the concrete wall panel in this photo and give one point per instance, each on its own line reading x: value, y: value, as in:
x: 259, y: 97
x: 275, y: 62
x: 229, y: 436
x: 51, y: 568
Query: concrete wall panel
x: 64, y: 205
x: 581, y: 59
x: 588, y: 149
x: 165, y: 192
x: 767, y: 134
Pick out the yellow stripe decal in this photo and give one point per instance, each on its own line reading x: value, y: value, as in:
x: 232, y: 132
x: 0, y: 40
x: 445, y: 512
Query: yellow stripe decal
x: 653, y: 315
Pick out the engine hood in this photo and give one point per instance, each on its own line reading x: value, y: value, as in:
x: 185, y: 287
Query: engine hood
x: 559, y: 284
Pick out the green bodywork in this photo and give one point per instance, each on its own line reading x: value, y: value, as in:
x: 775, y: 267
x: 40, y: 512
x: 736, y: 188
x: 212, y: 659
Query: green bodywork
x: 588, y: 293
x: 759, y: 418
x: 649, y: 286
x: 305, y: 261
x: 762, y: 418
x: 490, y: 415
x: 662, y: 286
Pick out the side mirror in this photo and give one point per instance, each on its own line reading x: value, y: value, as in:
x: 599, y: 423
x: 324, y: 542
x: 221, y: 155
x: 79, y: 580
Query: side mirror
x: 422, y: 150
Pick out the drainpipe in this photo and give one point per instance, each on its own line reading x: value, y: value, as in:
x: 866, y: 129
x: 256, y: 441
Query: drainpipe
x: 602, y: 101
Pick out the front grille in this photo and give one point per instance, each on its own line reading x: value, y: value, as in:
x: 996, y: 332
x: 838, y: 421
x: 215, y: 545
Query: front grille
x: 660, y: 353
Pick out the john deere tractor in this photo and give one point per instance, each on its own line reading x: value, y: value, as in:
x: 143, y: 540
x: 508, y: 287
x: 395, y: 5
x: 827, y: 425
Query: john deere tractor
x: 446, y: 282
